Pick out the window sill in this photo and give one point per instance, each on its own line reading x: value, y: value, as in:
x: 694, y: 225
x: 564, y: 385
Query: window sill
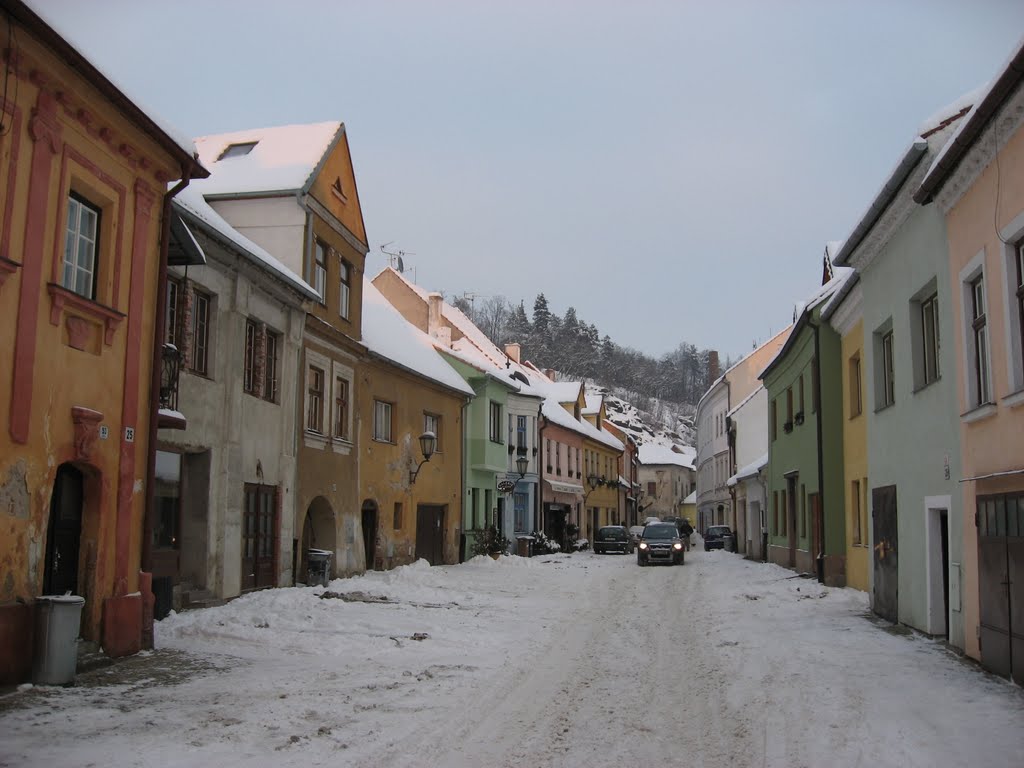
x: 1014, y: 399
x: 982, y: 412
x: 341, y: 445
x: 7, y: 267
x: 885, y: 407
x: 382, y: 440
x: 315, y: 440
x: 61, y: 298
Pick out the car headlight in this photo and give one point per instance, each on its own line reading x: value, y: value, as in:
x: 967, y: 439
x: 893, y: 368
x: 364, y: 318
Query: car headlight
x: 643, y: 545
x: 677, y: 545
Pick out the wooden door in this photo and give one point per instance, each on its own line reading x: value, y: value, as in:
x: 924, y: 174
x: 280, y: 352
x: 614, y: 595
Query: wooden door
x: 791, y: 506
x: 370, y: 536
x: 259, y: 537
x: 65, y: 532
x: 886, y: 553
x: 430, y: 533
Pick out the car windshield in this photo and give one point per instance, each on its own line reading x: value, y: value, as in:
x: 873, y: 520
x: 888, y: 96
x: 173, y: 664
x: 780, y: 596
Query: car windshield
x: 718, y: 530
x: 660, y: 532
x: 612, y: 533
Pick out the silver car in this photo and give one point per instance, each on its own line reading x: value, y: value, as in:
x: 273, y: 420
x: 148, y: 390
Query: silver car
x: 660, y: 543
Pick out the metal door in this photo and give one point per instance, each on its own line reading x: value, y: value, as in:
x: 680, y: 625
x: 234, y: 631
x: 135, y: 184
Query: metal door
x: 886, y: 555
x: 1000, y: 523
x: 430, y: 533
x: 65, y: 532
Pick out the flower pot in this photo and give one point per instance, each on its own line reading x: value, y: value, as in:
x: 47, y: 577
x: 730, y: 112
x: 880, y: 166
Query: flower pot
x: 495, y: 555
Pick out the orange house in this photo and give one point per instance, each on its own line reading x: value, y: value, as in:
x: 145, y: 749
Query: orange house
x: 84, y: 175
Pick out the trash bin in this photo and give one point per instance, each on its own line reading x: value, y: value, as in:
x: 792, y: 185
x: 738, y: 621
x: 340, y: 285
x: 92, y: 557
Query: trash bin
x: 524, y: 546
x: 318, y: 567
x: 55, y: 656
x: 729, y: 543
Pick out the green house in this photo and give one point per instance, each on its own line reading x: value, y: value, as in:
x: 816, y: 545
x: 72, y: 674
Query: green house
x: 806, y: 525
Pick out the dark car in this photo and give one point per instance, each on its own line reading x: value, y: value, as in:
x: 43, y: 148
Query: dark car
x: 613, y: 538
x: 718, y: 537
x: 660, y: 543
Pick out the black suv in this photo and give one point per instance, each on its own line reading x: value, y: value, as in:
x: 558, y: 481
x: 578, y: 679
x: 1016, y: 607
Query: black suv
x: 717, y: 537
x: 613, y: 538
x: 660, y: 543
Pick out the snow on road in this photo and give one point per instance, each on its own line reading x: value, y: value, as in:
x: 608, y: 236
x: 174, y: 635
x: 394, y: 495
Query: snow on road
x: 578, y: 660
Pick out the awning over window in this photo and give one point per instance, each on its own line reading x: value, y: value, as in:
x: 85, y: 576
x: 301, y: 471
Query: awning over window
x: 183, y: 249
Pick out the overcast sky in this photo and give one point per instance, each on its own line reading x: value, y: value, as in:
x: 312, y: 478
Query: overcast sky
x: 671, y: 169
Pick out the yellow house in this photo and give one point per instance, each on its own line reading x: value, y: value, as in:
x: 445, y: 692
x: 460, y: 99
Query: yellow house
x: 846, y: 316
x: 84, y: 175
x: 602, y: 452
x: 410, y: 417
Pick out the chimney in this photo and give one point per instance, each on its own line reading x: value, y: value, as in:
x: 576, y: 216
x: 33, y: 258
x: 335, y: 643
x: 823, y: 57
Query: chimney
x: 512, y: 350
x: 712, y: 366
x: 435, y: 328
x: 550, y: 373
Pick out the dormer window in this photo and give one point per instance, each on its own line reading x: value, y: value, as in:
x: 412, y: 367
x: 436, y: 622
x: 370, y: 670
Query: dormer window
x: 237, y: 150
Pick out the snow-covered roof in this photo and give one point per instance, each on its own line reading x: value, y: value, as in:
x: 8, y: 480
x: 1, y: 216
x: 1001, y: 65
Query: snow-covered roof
x: 555, y: 413
x: 651, y: 454
x: 987, y: 100
x: 691, y: 499
x: 387, y: 334
x: 282, y: 159
x: 593, y: 403
x: 746, y: 400
x: 750, y: 470
x: 191, y: 201
x: 840, y: 275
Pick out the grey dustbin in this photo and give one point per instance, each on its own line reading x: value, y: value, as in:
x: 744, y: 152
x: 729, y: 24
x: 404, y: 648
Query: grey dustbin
x: 318, y: 567
x: 55, y: 656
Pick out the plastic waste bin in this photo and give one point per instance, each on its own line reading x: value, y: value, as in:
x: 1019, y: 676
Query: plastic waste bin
x: 318, y: 567
x: 55, y: 656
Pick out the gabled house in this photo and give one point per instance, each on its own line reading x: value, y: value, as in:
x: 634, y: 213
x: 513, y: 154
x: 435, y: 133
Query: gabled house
x: 903, y: 507
x: 748, y: 421
x: 629, y: 474
x: 292, y: 190
x: 500, y: 425
x: 714, y: 503
x: 666, y: 476
x: 805, y: 461
x: 226, y: 473
x: 975, y: 184
x: 411, y: 418
x: 84, y: 174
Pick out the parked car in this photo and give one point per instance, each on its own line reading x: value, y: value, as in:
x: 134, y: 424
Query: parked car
x: 660, y: 543
x: 635, y: 532
x: 613, y: 538
x: 719, y: 537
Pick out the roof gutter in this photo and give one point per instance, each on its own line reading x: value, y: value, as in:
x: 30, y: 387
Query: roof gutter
x: 1010, y: 78
x: 882, y: 200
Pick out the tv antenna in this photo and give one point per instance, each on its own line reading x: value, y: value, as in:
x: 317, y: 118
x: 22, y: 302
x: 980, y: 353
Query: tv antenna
x: 396, y: 259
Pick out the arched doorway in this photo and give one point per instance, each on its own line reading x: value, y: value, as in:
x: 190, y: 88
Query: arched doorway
x: 64, y: 532
x: 319, y: 531
x: 370, y: 532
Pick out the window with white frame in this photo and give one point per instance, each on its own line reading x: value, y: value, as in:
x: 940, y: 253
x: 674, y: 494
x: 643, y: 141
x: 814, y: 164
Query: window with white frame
x: 345, y: 285
x: 885, y: 376
x: 1014, y: 267
x: 558, y: 458
x: 320, y: 270
x: 382, y: 421
x: 979, y: 350
x: 521, y: 433
x: 1018, y: 264
x: 80, y: 244
x: 249, y: 364
x: 930, y: 339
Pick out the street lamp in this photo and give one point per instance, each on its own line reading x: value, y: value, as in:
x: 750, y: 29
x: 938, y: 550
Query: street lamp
x: 428, y: 444
x: 522, y: 463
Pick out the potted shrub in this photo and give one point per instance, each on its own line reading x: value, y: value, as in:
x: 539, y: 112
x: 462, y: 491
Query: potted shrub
x: 491, y: 542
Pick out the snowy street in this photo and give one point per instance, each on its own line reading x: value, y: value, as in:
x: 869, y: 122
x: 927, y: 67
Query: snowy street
x: 581, y: 660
